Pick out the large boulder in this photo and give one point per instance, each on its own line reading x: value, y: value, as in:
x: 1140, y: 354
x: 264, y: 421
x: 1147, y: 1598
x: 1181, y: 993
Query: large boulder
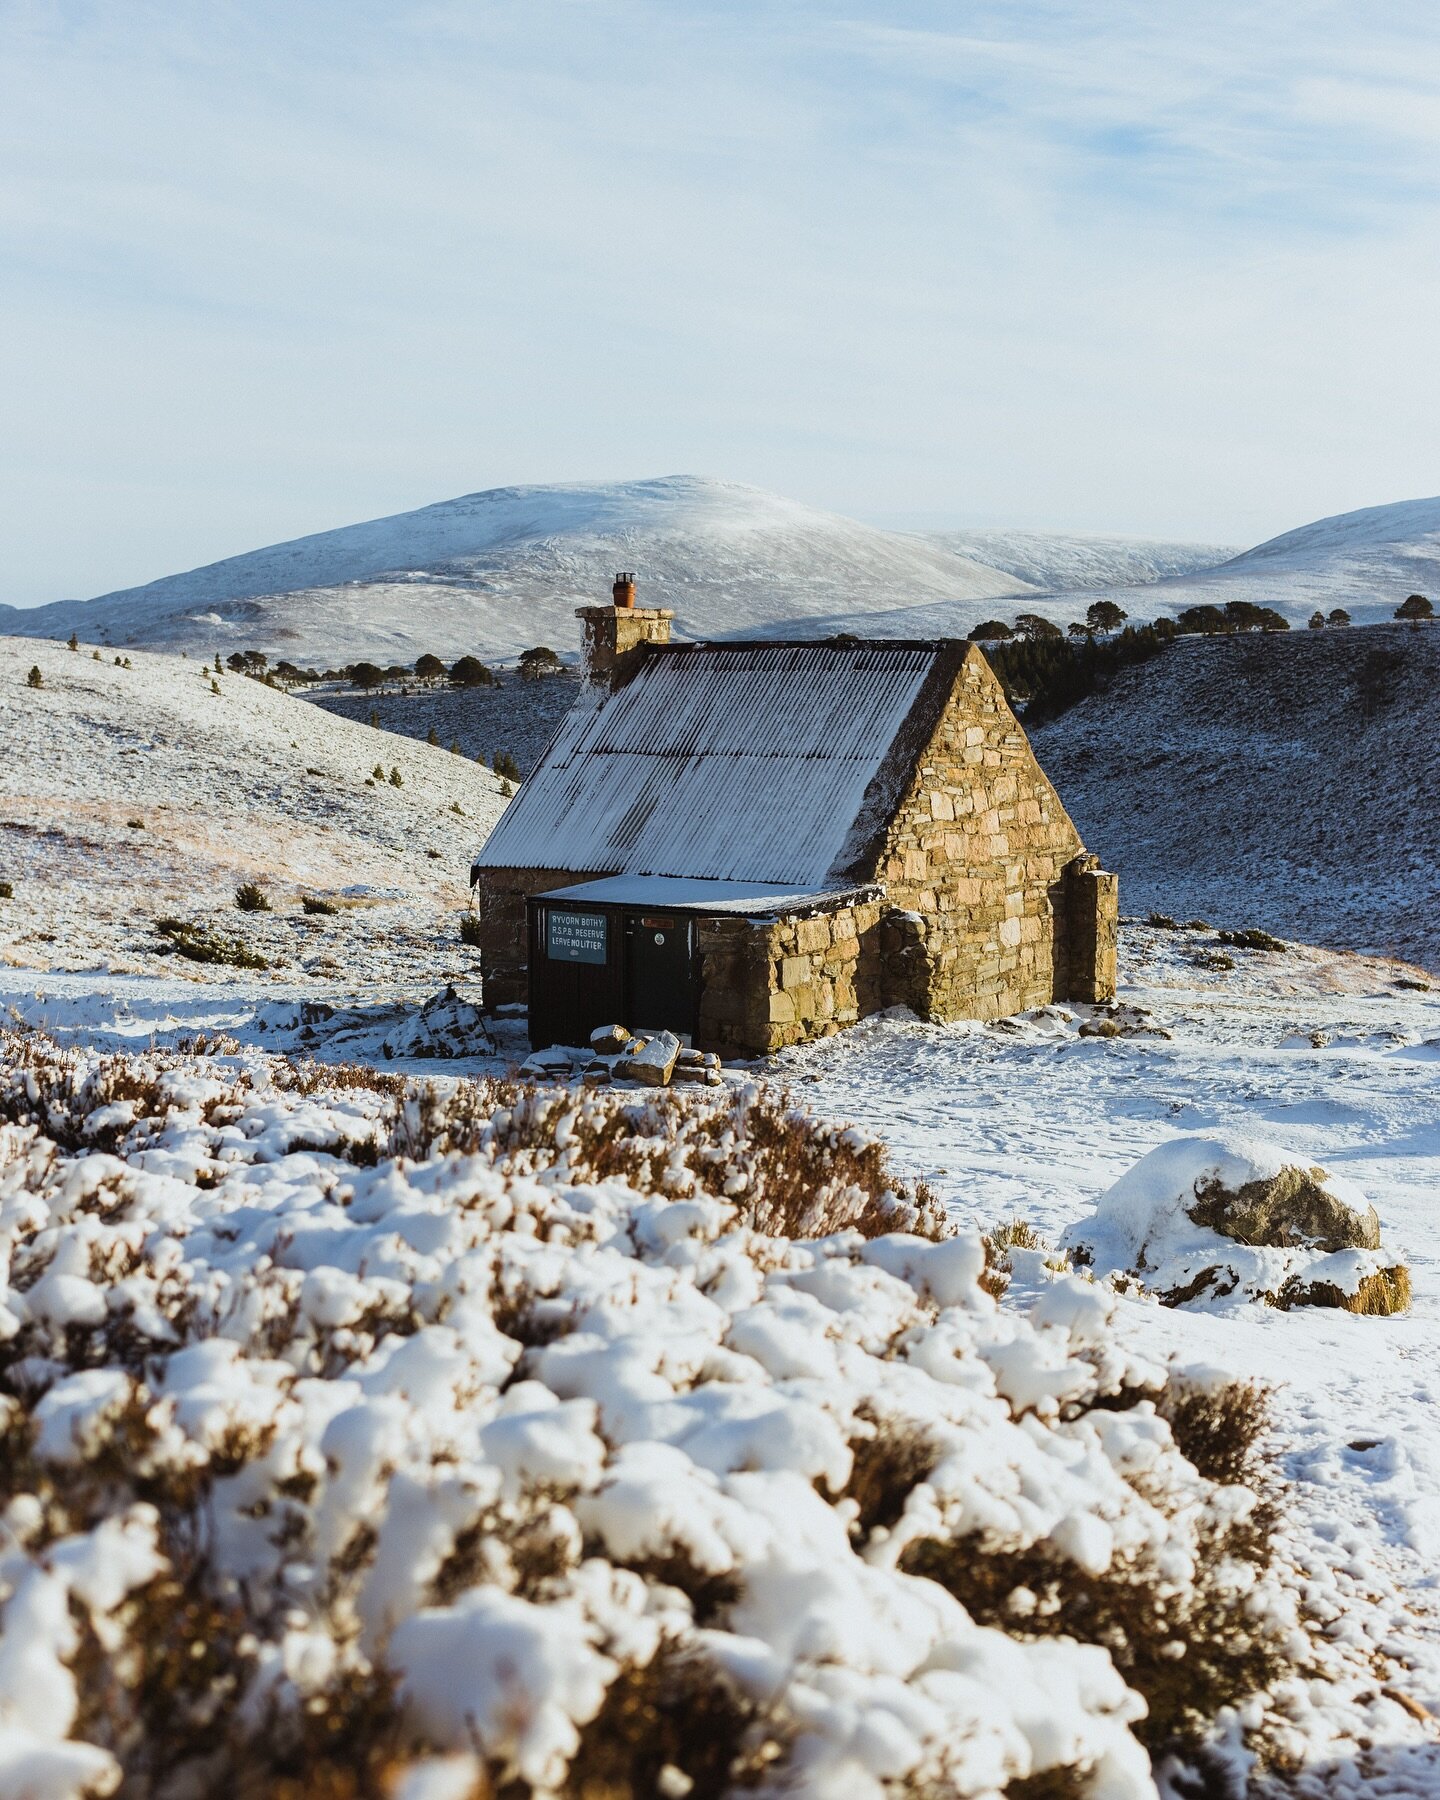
x: 1205, y: 1220
x: 1294, y: 1205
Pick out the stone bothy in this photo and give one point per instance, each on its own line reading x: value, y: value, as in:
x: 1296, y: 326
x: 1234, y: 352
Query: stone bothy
x: 756, y: 844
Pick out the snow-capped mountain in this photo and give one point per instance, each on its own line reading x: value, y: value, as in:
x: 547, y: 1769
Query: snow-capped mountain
x: 500, y: 570
x: 497, y: 571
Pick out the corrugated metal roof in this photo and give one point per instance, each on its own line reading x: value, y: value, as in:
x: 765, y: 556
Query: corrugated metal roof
x: 747, y: 762
x: 686, y: 893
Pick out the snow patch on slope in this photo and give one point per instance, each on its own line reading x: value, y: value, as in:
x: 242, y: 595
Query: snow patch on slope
x: 1056, y: 561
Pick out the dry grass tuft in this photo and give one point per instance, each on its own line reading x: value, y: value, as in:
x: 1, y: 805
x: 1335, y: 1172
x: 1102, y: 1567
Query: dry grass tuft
x: 1379, y: 1295
x: 1014, y: 1234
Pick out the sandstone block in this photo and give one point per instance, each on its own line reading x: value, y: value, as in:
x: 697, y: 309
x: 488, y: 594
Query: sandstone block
x: 794, y: 971
x: 812, y: 934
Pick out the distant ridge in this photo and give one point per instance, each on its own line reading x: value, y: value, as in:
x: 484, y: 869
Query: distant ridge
x: 1365, y: 562
x: 497, y: 571
x: 500, y: 570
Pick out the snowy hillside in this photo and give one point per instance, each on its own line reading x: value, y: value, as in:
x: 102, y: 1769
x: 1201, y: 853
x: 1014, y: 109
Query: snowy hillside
x: 129, y: 795
x: 1290, y: 782
x: 1365, y: 562
x: 501, y: 570
x: 1056, y: 561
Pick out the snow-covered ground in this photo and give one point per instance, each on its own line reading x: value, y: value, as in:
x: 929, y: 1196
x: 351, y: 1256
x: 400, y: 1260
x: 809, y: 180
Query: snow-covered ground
x: 517, y: 718
x: 1326, y: 1055
x: 131, y: 795
x: 686, y: 1384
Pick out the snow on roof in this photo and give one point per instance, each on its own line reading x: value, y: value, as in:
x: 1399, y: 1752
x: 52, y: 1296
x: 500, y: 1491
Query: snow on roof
x: 685, y: 894
x: 745, y: 762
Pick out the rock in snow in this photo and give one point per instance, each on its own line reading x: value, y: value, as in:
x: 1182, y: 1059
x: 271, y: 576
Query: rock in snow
x: 651, y: 1062
x: 1229, y: 1217
x: 446, y: 1025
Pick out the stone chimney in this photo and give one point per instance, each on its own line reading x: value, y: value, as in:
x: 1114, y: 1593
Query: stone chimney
x: 615, y: 635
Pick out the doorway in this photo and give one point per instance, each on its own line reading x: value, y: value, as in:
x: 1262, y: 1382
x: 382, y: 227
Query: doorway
x: 661, y: 984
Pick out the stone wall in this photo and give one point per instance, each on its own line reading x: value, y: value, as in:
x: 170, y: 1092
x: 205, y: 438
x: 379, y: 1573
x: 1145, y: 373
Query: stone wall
x: 975, y: 856
x: 499, y: 905
x: 766, y: 983
x: 1092, y: 908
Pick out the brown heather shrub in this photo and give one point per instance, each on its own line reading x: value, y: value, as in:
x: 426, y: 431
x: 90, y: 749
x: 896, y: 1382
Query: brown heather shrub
x: 791, y: 1175
x: 1189, y: 1653
x: 678, y: 1710
x: 1131, y: 1609
x: 889, y: 1462
x: 1219, y: 1430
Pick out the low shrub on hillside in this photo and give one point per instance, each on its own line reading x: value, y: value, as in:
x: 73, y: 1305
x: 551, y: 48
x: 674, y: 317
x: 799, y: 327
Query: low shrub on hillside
x: 318, y: 907
x: 1251, y: 938
x: 251, y: 897
x: 470, y: 931
x: 196, y: 943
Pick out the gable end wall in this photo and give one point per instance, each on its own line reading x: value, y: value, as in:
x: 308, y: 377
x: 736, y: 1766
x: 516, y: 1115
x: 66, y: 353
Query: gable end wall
x: 976, y: 851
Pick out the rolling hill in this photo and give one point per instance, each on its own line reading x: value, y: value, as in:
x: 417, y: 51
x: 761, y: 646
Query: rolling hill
x: 1059, y: 562
x: 1365, y: 562
x: 497, y: 571
x: 131, y: 794
x: 501, y: 570
x: 1290, y: 782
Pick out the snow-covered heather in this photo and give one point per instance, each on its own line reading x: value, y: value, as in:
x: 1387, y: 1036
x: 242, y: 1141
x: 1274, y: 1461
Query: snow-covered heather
x: 347, y: 1431
x: 1324, y: 1055
x: 1291, y: 783
x: 495, y: 572
x: 131, y: 795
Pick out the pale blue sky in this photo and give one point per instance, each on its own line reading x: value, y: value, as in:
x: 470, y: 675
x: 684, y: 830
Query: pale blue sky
x: 1170, y: 269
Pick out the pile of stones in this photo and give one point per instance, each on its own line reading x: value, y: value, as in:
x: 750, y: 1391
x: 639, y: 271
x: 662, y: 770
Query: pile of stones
x: 616, y: 1055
